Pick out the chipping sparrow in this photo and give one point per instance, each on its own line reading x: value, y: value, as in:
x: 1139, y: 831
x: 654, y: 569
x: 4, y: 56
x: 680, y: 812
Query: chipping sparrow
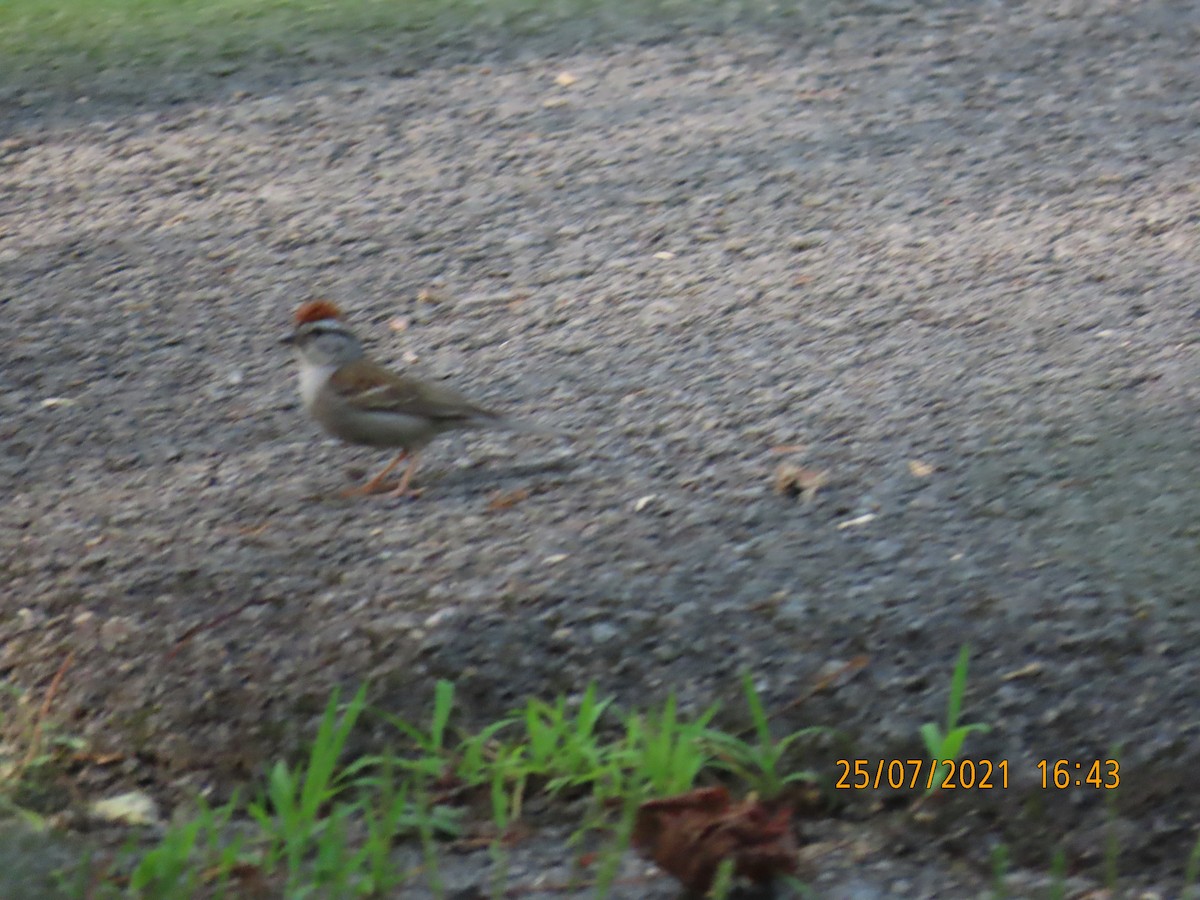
x: 361, y: 402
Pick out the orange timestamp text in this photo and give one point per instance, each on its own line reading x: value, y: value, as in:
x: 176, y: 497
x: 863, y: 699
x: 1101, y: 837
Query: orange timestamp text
x: 1060, y: 774
x: 930, y: 774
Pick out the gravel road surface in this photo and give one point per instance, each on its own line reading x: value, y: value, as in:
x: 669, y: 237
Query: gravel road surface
x: 946, y: 254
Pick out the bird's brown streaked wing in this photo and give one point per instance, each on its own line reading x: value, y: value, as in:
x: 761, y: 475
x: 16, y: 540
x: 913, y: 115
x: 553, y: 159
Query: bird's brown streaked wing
x: 373, y: 387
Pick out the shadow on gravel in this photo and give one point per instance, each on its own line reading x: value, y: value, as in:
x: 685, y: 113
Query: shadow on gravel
x: 1115, y: 496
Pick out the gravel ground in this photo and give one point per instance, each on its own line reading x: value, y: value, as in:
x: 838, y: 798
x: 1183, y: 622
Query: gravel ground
x: 950, y: 251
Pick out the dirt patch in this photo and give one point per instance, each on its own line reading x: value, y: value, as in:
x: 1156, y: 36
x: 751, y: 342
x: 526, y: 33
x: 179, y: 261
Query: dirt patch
x: 961, y: 236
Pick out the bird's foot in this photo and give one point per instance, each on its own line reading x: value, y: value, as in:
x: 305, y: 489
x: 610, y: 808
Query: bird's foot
x: 366, y: 490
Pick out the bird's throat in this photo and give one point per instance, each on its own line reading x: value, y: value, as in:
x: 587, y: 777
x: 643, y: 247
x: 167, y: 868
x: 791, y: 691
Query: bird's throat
x: 312, y: 379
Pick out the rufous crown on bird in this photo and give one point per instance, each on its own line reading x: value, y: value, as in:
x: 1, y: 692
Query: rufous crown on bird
x: 316, y: 311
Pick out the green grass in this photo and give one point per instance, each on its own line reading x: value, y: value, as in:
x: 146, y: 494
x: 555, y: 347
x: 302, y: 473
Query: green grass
x: 944, y: 743
x: 331, y: 826
x: 328, y: 826
x: 32, y: 749
x: 64, y: 44
x: 218, y: 36
x: 211, y: 36
x: 1191, y: 873
x: 758, y: 763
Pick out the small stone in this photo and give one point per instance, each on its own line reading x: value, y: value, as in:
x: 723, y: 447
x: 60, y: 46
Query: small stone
x: 95, y: 560
x: 603, y: 632
x: 133, y: 808
x: 887, y: 549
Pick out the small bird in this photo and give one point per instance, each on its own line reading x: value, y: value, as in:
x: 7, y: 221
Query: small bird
x: 356, y: 399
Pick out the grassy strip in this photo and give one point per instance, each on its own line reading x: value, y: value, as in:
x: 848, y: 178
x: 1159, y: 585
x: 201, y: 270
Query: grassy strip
x: 68, y: 42
x: 207, y: 35
x: 75, y: 37
x: 328, y: 828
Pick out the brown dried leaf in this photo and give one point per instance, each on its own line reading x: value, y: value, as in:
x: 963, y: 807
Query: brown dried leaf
x: 792, y: 479
x: 835, y: 675
x: 920, y: 469
x: 98, y: 759
x: 689, y: 835
x: 826, y: 94
x: 502, y: 500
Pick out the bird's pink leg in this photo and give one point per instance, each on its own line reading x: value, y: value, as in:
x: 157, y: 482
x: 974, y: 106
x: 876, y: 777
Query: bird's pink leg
x: 375, y: 484
x: 403, y: 490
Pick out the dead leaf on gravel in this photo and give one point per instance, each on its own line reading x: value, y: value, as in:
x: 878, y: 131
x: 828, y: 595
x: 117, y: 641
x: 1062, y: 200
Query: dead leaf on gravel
x: 565, y: 79
x: 98, y: 759
x: 248, y: 531
x: 502, y: 500
x: 836, y: 673
x: 824, y: 94
x: 689, y: 835
x: 398, y: 324
x: 791, y: 479
x: 920, y: 469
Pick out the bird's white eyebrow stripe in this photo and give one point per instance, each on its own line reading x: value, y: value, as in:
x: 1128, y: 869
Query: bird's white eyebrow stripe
x: 328, y: 325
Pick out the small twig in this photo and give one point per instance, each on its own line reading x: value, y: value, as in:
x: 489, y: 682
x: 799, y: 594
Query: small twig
x: 823, y: 684
x: 852, y: 667
x: 211, y: 623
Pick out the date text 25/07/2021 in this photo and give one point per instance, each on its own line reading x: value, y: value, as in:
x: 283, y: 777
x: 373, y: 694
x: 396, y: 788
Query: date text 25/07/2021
x: 971, y: 774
